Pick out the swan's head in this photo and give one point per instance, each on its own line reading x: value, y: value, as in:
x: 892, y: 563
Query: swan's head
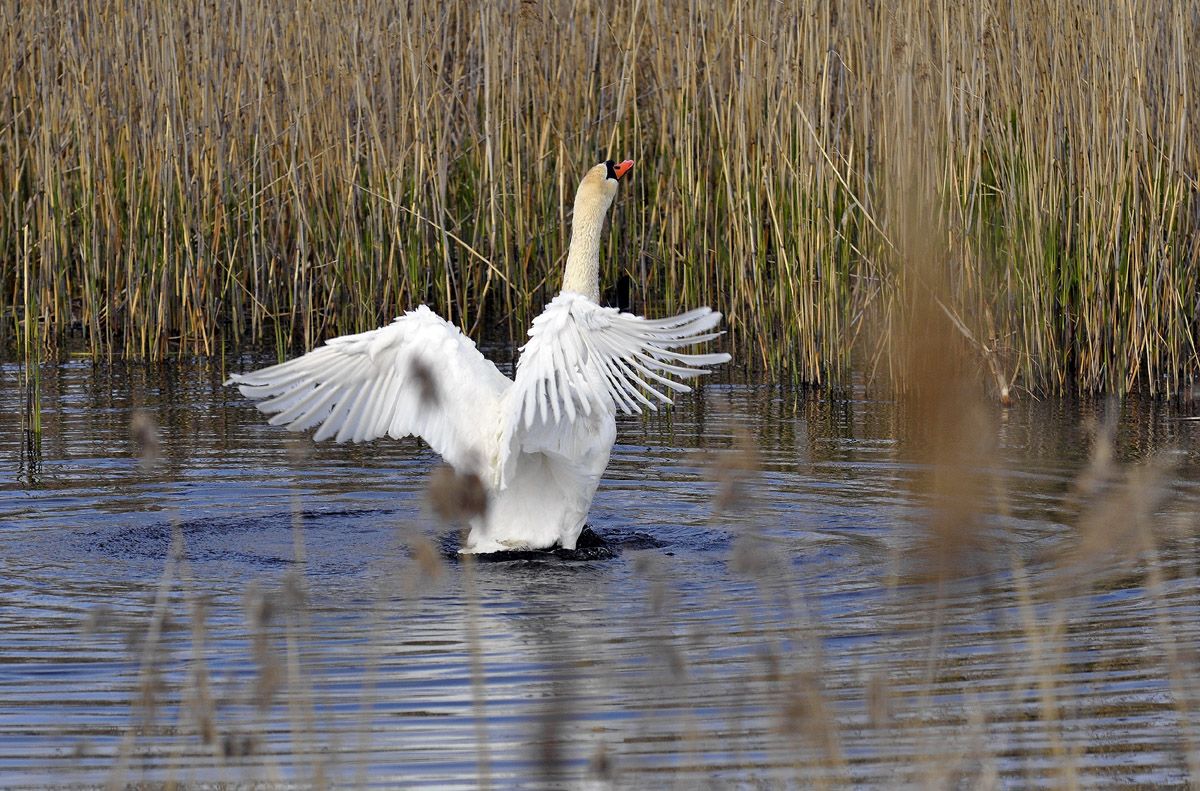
x: 599, y: 187
x: 595, y: 195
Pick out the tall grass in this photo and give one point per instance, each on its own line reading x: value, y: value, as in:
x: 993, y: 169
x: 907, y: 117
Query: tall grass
x: 195, y: 173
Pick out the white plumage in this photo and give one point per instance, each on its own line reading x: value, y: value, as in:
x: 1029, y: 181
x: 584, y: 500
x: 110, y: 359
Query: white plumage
x: 540, y: 441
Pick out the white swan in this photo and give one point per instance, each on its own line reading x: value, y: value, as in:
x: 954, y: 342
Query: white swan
x: 538, y: 442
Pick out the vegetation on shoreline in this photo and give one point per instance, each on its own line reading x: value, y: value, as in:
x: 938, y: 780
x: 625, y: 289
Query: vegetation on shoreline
x: 174, y: 178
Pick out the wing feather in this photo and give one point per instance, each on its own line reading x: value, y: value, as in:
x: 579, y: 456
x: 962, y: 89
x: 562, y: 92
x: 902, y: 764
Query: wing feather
x: 581, y: 356
x: 678, y: 387
x: 361, y: 387
x: 628, y: 379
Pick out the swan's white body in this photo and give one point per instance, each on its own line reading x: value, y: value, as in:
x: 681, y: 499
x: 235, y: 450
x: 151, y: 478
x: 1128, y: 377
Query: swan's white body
x: 540, y: 441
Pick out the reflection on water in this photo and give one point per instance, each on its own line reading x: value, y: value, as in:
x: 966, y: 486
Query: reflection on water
x: 311, y: 630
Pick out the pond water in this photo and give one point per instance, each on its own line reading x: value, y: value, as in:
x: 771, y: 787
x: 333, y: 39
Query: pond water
x: 771, y: 617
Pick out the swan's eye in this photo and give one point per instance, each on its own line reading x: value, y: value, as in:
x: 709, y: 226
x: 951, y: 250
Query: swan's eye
x: 612, y: 169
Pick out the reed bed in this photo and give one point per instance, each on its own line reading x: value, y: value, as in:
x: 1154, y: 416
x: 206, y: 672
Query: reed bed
x: 177, y: 178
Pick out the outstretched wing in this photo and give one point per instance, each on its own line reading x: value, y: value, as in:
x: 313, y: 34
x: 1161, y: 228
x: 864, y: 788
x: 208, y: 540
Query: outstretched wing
x: 581, y: 357
x: 417, y: 376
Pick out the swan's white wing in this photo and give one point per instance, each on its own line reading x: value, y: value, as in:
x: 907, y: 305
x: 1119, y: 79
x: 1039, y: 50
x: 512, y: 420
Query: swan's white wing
x: 417, y: 376
x: 581, y: 357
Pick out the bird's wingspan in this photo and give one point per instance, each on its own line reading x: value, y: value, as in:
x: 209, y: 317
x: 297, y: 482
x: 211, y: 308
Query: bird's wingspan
x: 416, y: 376
x: 581, y: 357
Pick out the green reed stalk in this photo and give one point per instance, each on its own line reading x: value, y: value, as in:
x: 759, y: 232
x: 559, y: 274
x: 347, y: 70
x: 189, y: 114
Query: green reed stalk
x: 31, y: 351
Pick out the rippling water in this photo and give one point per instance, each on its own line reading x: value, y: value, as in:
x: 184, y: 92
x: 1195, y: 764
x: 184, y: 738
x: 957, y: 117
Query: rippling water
x: 313, y: 628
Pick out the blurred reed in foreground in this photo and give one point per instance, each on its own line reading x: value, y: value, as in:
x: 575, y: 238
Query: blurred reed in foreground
x: 178, y: 176
x: 799, y: 707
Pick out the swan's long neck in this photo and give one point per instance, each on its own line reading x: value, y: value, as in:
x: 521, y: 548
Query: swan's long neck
x: 583, y: 257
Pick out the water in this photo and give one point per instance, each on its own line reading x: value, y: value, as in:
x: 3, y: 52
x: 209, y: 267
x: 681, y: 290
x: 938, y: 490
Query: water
x: 796, y: 636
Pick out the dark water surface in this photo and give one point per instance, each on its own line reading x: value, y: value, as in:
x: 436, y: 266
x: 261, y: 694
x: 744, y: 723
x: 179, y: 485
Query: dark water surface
x: 311, y: 628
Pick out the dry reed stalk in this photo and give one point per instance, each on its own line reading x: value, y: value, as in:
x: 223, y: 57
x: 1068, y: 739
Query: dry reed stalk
x: 229, y: 172
x: 149, y: 676
x: 457, y: 497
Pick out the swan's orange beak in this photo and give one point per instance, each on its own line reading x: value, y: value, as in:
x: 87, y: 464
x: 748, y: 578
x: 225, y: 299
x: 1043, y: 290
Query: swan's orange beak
x: 623, y: 168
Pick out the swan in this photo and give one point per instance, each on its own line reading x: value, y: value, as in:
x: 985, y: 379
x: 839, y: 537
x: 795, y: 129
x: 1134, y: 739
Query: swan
x: 538, y: 442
